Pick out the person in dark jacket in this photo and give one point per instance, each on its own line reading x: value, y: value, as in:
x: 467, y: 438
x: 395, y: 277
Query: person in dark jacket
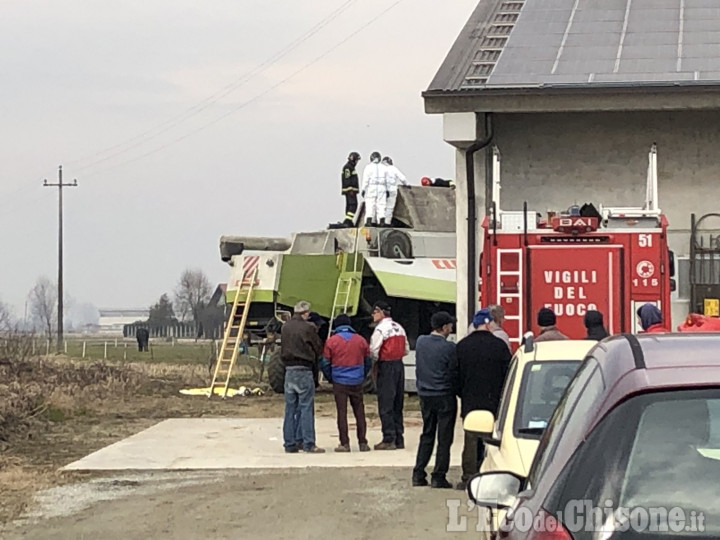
x: 319, y: 324
x: 346, y: 362
x: 300, y: 348
x: 436, y: 380
x: 483, y: 361
x: 143, y: 336
x: 350, y: 188
x: 546, y: 320
x: 651, y: 319
x: 595, y: 325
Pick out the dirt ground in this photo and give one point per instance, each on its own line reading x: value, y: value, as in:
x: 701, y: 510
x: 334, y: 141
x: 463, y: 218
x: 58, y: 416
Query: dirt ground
x: 39, y: 501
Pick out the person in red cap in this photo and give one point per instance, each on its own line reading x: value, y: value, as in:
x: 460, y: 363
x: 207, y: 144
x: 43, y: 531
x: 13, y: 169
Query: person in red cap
x: 438, y: 182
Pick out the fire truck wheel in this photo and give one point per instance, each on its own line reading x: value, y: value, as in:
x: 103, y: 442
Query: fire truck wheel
x: 276, y: 372
x: 396, y: 245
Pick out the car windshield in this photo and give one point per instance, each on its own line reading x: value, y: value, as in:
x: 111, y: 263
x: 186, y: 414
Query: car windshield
x: 648, y: 470
x: 542, y: 386
x: 674, y: 461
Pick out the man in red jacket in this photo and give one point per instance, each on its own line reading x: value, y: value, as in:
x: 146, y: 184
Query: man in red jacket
x: 346, y: 362
x: 388, y: 346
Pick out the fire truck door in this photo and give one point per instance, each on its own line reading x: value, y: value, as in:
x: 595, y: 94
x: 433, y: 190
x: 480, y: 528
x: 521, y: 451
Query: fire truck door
x: 572, y: 280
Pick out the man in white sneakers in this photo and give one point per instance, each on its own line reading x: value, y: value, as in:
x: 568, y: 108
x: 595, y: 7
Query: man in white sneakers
x: 388, y: 346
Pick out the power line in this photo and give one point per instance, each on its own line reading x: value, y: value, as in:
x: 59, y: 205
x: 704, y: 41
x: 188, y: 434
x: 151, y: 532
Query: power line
x: 165, y: 126
x: 257, y: 96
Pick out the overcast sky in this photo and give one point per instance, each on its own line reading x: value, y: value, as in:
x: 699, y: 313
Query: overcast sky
x: 183, y: 121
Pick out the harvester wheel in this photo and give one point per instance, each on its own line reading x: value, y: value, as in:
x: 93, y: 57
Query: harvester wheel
x: 396, y: 245
x: 276, y: 372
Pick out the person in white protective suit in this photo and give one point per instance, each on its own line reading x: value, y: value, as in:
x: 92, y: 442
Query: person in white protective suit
x: 374, y: 190
x: 395, y: 177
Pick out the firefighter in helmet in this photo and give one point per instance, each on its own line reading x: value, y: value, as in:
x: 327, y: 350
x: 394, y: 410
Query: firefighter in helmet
x: 350, y: 188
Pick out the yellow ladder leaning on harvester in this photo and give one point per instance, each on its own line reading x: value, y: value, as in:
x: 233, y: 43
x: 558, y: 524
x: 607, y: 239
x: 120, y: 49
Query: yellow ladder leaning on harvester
x: 234, y: 330
x: 345, y: 283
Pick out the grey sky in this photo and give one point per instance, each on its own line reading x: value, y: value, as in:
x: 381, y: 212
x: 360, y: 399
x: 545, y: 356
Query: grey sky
x: 80, y: 77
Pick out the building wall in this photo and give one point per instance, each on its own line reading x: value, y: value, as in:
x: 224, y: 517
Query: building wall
x: 556, y: 160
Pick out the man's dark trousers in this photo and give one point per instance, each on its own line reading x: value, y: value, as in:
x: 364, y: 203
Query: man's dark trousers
x: 391, y: 397
x: 354, y: 393
x: 351, y: 204
x: 438, y: 414
x: 472, y: 455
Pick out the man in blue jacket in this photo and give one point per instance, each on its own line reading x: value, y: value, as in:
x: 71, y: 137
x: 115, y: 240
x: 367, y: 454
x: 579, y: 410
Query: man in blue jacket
x: 436, y: 375
x: 346, y: 363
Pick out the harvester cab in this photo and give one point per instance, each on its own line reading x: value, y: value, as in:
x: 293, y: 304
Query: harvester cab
x: 609, y: 259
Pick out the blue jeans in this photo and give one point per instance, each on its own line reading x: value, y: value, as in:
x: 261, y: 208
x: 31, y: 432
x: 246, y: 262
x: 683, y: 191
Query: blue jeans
x: 299, y: 408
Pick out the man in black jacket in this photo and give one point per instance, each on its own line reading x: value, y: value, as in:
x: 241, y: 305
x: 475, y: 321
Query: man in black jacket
x: 300, y: 348
x: 483, y: 362
x: 350, y: 188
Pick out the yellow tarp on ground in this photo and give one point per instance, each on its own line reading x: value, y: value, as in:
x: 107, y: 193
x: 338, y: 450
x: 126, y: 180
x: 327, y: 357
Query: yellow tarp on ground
x: 242, y: 391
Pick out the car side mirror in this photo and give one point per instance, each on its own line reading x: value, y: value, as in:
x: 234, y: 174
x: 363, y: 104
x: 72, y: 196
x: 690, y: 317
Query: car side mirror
x: 671, y: 263
x: 497, y: 489
x: 482, y: 423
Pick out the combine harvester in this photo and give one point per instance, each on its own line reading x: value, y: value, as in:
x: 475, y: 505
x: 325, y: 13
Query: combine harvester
x: 411, y: 265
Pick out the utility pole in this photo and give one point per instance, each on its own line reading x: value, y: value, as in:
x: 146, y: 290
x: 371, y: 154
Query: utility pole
x: 60, y: 185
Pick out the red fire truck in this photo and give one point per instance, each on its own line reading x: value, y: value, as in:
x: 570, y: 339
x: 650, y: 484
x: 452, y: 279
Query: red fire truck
x: 612, y: 260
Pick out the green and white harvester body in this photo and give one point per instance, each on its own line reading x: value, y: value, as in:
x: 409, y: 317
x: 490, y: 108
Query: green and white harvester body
x: 410, y: 265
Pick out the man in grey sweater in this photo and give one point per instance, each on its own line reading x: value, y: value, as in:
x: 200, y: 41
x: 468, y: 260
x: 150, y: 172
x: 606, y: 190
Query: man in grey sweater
x: 436, y: 376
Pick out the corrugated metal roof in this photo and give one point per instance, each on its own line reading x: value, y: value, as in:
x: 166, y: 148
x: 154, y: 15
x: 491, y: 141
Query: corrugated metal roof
x: 584, y: 43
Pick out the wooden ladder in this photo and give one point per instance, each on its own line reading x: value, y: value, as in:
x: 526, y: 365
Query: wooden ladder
x: 234, y: 330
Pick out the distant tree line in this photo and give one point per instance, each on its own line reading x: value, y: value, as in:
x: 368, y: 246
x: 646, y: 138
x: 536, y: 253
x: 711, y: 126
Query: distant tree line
x: 194, y: 309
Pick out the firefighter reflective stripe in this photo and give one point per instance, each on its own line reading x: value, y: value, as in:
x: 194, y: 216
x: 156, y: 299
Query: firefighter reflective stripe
x: 348, y: 189
x: 350, y: 215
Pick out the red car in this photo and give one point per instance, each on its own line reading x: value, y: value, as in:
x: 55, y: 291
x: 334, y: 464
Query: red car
x: 631, y: 451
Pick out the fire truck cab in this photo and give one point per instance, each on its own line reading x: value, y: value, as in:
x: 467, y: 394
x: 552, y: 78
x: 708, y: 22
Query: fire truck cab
x: 612, y: 260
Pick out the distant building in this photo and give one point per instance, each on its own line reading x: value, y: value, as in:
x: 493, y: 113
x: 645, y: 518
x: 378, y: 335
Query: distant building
x: 112, y: 321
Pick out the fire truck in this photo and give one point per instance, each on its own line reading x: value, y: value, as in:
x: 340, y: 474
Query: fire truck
x: 612, y: 260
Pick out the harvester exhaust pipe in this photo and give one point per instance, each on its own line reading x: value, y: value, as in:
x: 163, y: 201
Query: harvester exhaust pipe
x: 472, y: 269
x: 236, y: 245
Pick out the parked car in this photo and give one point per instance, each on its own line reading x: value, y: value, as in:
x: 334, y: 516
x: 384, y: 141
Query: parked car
x: 537, y: 377
x: 632, y: 449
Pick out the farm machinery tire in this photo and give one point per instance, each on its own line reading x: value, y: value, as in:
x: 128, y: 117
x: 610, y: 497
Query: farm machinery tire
x: 276, y: 372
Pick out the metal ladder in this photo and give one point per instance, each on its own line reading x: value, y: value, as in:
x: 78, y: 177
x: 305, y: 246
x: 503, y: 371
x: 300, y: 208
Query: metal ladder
x: 234, y: 331
x: 504, y: 299
x: 345, y: 283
